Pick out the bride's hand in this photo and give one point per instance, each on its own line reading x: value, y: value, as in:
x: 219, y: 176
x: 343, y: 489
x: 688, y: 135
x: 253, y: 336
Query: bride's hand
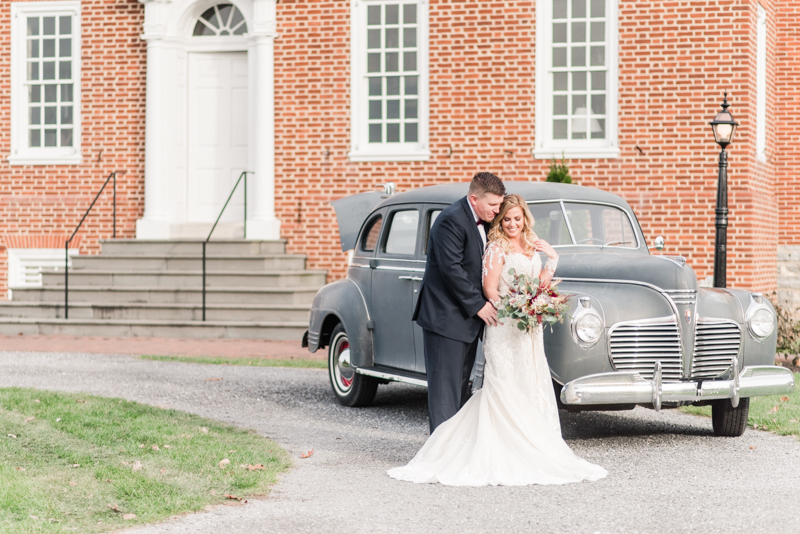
x: 540, y: 245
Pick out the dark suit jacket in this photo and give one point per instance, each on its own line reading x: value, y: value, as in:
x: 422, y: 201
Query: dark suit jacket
x: 451, y: 293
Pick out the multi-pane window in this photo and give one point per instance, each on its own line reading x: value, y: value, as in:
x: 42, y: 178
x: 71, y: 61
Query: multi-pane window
x: 49, y: 81
x: 579, y: 69
x: 392, y: 75
x: 389, y: 80
x: 45, y: 82
x: 576, y: 78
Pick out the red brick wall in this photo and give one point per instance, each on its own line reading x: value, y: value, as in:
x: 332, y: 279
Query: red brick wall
x: 676, y: 58
x: 41, y: 205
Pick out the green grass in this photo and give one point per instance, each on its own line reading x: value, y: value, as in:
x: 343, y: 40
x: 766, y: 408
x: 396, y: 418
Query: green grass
x: 768, y: 413
x: 305, y: 364
x: 79, y: 455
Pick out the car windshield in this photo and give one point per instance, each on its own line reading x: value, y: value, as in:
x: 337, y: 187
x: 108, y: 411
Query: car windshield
x: 591, y: 224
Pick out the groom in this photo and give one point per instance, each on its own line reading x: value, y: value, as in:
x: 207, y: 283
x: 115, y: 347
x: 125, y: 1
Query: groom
x: 451, y: 308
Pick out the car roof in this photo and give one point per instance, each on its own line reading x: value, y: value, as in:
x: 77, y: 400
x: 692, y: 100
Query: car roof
x: 530, y: 191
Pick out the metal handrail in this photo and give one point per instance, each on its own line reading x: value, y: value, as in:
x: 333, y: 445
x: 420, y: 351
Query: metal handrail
x: 68, y: 241
x: 243, y: 175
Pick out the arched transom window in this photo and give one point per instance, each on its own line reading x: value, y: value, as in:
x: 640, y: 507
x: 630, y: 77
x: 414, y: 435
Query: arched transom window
x: 222, y: 19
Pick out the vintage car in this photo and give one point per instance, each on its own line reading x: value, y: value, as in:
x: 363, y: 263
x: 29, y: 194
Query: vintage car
x: 640, y: 331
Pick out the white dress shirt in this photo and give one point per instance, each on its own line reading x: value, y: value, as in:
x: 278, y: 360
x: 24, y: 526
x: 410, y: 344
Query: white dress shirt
x: 481, y: 229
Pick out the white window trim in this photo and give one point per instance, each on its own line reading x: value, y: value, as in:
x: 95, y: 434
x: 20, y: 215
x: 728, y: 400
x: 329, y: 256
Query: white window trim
x: 545, y: 146
x: 20, y: 153
x: 761, y: 84
x: 360, y: 149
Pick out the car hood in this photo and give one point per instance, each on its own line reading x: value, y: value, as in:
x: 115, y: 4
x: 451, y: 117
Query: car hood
x: 351, y: 212
x: 660, y: 271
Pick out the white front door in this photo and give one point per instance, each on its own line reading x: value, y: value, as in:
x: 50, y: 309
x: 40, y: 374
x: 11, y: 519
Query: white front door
x: 218, y: 131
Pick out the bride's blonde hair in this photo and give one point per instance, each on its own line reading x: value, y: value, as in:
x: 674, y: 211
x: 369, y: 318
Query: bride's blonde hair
x: 496, y: 233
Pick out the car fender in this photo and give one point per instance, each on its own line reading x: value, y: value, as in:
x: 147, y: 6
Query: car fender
x: 342, y: 302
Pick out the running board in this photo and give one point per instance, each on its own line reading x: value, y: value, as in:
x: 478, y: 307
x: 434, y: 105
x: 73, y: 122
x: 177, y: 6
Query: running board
x: 367, y: 371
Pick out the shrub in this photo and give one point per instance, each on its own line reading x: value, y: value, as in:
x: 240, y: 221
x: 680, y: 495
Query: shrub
x: 559, y: 172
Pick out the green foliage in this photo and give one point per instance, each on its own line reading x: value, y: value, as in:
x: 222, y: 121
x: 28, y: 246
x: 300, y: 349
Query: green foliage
x: 559, y: 172
x: 67, y: 460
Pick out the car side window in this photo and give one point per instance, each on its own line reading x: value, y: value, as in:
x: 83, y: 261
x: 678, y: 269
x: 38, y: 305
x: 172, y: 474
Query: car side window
x: 402, y: 238
x: 370, y: 240
x: 431, y: 219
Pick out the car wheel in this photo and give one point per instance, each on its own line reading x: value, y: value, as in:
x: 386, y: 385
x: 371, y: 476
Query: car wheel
x: 350, y: 388
x: 727, y: 420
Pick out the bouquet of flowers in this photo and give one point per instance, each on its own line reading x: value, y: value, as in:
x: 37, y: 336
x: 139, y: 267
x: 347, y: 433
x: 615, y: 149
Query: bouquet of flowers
x: 530, y: 305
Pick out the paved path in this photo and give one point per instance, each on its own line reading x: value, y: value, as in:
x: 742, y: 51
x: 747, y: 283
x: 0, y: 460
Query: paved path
x: 668, y: 473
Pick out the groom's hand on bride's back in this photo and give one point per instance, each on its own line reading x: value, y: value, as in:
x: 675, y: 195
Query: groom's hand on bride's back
x: 488, y: 314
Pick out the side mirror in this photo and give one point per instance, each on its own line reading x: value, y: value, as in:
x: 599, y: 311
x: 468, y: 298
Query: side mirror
x: 659, y: 243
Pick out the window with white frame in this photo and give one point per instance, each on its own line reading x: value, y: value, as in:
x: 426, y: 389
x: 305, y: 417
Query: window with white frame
x: 576, y: 79
x: 45, y: 83
x: 389, y: 91
x: 761, y: 85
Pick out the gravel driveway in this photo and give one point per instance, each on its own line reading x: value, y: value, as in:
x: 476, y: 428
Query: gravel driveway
x: 667, y: 472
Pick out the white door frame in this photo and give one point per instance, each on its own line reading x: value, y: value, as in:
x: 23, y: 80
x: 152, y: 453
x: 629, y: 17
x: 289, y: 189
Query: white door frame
x: 168, y: 30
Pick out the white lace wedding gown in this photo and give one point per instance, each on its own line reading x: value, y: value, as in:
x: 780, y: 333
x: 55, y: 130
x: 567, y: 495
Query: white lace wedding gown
x: 508, y: 433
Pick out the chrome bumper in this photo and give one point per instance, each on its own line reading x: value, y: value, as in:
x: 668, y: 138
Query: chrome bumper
x: 631, y: 388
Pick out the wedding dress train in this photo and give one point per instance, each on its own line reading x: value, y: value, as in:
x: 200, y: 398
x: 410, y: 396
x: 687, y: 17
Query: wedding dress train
x: 508, y: 433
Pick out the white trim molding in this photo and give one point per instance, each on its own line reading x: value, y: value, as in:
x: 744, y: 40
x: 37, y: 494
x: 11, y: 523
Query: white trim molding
x: 361, y: 149
x: 546, y: 146
x: 25, y: 265
x: 22, y: 113
x: 761, y: 84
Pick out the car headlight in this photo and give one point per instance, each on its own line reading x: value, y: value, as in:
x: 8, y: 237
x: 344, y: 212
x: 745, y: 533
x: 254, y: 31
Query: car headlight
x: 587, y: 325
x: 761, y: 323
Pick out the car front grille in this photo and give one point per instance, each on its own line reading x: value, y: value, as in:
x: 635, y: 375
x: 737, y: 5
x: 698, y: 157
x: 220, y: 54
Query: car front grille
x: 685, y: 297
x: 715, y: 346
x: 637, y: 346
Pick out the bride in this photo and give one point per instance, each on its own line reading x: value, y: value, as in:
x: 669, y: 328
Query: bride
x: 508, y: 433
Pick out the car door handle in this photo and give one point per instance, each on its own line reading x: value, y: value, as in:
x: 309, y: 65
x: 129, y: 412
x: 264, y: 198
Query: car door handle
x: 415, y: 278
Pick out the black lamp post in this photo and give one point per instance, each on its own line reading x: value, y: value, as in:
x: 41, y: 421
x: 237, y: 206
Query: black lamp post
x: 724, y: 126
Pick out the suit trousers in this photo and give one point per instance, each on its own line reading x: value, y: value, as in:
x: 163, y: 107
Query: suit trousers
x: 448, y: 364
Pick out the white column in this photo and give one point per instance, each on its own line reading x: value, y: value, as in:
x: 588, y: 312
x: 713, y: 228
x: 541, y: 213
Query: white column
x: 154, y: 224
x: 261, y: 220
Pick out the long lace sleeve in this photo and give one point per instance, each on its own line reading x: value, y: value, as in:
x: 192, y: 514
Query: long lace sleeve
x: 550, y: 265
x: 493, y: 260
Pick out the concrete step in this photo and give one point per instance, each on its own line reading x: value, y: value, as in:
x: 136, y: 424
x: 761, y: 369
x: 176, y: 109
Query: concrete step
x: 230, y: 247
x: 148, y: 328
x: 185, y: 279
x: 161, y: 295
x: 189, y: 262
x: 160, y: 312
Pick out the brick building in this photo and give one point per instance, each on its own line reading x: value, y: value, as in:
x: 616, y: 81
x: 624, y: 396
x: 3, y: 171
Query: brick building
x: 325, y: 98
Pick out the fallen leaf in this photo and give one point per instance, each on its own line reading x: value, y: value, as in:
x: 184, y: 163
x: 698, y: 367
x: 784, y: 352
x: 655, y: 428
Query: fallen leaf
x: 232, y: 451
x: 307, y: 454
x: 204, y: 429
x: 784, y: 399
x: 29, y: 419
x: 223, y: 463
x: 108, y: 480
x: 57, y: 420
x: 128, y: 516
x: 167, y: 446
x: 212, y: 379
x: 773, y: 409
x: 33, y: 517
x: 20, y: 469
x: 125, y: 463
x: 137, y: 466
x: 76, y: 465
x: 234, y: 497
x: 256, y: 467
x: 163, y: 470
x: 141, y: 446
x: 81, y: 401
x: 213, y: 492
x: 114, y: 507
x: 36, y: 400
x: 752, y: 448
x: 11, y: 436
x: 73, y: 483
x: 155, y: 448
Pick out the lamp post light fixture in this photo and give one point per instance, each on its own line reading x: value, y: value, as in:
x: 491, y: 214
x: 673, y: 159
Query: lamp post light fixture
x: 724, y: 127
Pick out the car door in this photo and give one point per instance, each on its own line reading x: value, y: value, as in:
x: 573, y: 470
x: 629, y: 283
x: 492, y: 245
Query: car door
x: 396, y: 269
x: 429, y: 214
